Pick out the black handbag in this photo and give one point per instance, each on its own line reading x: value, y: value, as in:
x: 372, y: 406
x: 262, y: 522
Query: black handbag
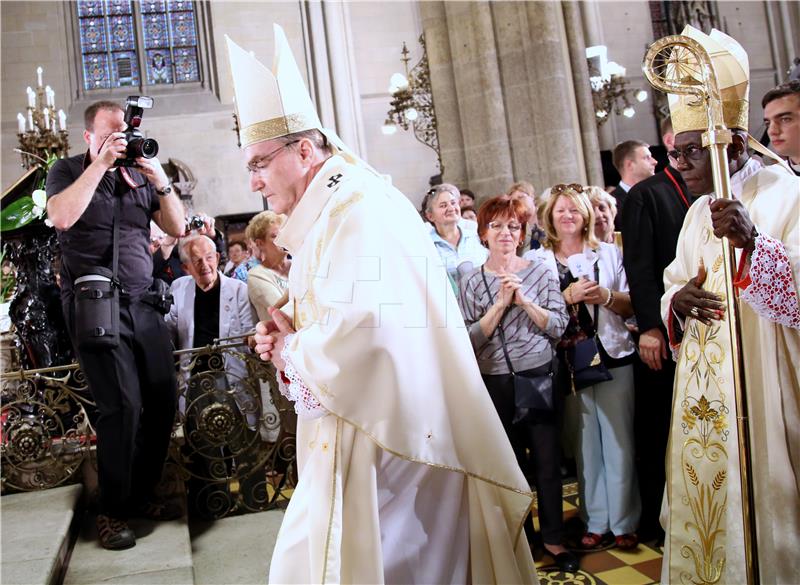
x: 585, y: 363
x: 533, y: 389
x: 97, y: 300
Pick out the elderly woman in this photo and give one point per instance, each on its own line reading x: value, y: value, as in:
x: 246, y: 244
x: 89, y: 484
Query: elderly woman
x: 598, y: 304
x: 455, y: 239
x: 267, y: 282
x: 605, y: 210
x: 515, y: 315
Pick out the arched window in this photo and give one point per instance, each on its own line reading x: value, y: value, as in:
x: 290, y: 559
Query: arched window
x: 140, y: 44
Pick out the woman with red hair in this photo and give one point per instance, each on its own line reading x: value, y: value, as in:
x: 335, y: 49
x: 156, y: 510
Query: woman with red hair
x: 515, y: 314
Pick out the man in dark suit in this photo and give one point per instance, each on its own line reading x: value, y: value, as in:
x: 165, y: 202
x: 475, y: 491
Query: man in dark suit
x: 634, y: 163
x: 651, y: 221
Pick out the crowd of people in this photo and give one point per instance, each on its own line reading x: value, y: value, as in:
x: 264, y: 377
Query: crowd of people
x: 575, y: 301
x: 540, y: 292
x: 525, y: 307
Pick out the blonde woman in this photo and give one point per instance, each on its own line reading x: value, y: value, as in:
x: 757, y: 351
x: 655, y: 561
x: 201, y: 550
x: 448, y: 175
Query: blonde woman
x: 605, y: 211
x: 268, y: 282
x: 598, y: 304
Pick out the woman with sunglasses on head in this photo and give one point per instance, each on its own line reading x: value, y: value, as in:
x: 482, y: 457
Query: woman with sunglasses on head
x: 515, y: 314
x: 598, y: 304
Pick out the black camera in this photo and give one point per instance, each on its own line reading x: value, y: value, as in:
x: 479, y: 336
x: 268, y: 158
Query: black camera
x: 138, y: 145
x: 194, y: 223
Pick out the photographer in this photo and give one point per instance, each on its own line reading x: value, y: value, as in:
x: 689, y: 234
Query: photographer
x: 128, y: 365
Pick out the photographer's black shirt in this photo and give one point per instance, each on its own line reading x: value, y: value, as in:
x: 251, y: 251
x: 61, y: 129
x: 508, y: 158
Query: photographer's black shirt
x: 88, y: 242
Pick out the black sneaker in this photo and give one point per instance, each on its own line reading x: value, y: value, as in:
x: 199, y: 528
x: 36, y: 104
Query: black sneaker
x: 114, y: 534
x: 160, y: 510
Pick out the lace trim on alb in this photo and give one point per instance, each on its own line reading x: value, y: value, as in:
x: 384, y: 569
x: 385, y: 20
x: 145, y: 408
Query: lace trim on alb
x: 306, y: 404
x: 772, y: 292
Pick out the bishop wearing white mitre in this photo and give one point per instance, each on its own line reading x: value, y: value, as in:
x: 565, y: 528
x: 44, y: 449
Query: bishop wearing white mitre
x: 405, y: 472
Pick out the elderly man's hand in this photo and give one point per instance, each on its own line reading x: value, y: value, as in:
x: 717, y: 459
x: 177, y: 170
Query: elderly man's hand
x: 208, y: 226
x: 270, y: 336
x: 730, y: 219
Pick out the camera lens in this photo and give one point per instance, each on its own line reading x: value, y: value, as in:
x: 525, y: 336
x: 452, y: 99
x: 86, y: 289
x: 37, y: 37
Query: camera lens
x: 149, y: 148
x: 142, y: 147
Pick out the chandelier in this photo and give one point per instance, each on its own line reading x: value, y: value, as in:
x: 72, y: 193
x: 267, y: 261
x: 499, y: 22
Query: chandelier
x: 42, y: 132
x: 610, y: 91
x: 411, y: 104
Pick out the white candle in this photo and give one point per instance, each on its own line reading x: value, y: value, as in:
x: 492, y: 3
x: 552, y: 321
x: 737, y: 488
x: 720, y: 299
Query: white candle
x: 39, y: 76
x: 31, y: 97
x: 21, y: 123
x: 62, y: 120
x: 30, y: 120
x: 50, y: 96
x: 46, y: 119
x: 53, y: 124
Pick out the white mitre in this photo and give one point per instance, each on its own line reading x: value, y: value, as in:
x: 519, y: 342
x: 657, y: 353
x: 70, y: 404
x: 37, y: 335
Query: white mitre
x: 274, y: 103
x: 732, y: 68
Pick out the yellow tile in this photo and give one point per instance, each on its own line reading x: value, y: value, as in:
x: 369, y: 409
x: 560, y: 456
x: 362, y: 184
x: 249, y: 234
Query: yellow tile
x: 637, y: 555
x: 624, y: 576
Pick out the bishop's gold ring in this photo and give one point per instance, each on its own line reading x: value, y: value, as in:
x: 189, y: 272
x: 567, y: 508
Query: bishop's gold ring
x: 694, y: 312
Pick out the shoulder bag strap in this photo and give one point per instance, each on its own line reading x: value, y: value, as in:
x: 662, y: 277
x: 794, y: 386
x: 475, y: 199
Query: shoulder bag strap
x: 596, y: 307
x: 499, y: 325
x: 597, y: 280
x: 115, y: 244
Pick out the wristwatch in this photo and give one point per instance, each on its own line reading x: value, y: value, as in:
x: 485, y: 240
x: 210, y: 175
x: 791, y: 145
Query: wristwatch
x: 164, y: 191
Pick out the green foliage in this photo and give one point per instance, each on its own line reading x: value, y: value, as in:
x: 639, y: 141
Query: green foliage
x: 18, y: 214
x: 8, y: 280
x: 26, y: 209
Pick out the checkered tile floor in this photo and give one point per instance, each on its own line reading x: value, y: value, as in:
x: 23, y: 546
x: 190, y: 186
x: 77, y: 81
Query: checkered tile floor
x: 641, y: 566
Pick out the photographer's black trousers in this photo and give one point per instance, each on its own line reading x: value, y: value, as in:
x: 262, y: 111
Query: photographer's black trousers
x: 134, y: 387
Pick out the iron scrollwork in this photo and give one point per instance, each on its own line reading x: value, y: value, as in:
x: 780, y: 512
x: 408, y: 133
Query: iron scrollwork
x: 46, y: 433
x: 233, y: 443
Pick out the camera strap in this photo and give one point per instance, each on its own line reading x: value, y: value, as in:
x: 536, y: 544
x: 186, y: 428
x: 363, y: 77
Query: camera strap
x: 128, y: 179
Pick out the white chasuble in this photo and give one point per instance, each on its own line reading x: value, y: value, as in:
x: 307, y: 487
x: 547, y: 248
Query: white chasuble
x: 705, y: 541
x: 408, y: 476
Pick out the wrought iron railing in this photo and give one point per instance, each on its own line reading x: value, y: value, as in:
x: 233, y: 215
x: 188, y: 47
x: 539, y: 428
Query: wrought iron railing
x: 233, y: 443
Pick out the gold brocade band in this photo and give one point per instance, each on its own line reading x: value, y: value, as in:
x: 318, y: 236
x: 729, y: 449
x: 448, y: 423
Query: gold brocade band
x: 275, y: 128
x: 687, y: 117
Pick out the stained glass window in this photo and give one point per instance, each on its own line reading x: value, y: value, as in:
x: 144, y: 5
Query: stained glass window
x: 112, y: 55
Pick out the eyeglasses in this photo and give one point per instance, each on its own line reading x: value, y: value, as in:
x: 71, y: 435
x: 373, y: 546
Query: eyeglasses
x: 512, y: 227
x: 262, y: 163
x: 691, y: 152
x: 562, y: 187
